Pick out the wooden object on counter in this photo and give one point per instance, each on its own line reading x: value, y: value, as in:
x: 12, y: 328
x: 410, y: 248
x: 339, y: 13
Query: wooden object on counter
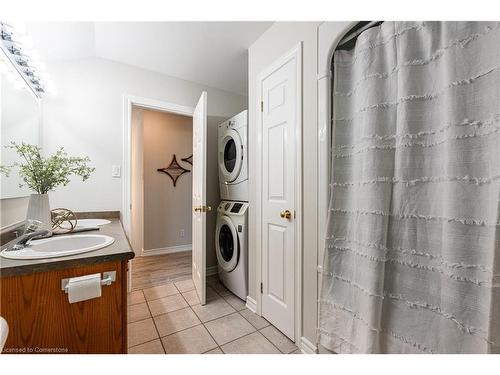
x: 42, y: 320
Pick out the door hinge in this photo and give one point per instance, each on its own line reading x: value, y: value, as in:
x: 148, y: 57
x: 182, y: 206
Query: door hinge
x: 261, y: 288
x: 261, y: 106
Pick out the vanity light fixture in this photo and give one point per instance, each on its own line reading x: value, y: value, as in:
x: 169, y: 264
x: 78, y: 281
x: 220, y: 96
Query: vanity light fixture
x: 19, y: 59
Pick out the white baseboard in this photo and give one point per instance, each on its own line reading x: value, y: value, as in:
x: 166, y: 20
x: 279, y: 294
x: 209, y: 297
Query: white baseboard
x: 129, y: 276
x: 212, y: 270
x: 251, y: 304
x: 307, y: 347
x: 166, y: 250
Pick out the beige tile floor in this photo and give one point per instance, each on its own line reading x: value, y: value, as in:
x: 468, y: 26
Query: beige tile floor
x: 169, y: 319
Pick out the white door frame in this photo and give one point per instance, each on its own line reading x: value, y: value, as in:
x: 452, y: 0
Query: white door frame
x: 329, y: 36
x: 128, y: 102
x: 295, y: 52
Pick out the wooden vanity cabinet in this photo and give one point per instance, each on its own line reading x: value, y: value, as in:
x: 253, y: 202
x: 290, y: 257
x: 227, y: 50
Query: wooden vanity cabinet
x: 41, y: 319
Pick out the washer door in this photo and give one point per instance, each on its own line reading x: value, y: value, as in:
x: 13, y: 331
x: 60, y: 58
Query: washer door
x: 226, y: 243
x: 231, y: 153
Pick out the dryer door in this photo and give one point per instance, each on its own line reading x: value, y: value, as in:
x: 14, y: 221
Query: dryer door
x: 226, y: 242
x: 230, y: 155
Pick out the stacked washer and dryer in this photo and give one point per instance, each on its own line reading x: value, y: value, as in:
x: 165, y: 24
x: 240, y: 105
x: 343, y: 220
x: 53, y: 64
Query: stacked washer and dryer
x: 231, y: 242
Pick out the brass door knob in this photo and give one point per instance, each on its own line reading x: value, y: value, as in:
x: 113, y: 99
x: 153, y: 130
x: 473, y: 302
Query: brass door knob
x: 287, y: 214
x: 203, y: 209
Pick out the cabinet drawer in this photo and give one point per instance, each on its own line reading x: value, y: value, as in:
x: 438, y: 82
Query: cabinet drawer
x: 41, y: 319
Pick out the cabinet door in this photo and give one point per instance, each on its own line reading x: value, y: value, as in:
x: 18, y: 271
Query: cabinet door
x: 41, y: 320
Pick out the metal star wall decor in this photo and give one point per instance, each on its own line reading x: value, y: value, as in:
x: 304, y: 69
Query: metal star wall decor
x: 174, y: 170
x: 188, y: 159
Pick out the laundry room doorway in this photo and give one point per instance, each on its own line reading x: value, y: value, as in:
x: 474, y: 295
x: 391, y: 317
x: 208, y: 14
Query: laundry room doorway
x: 165, y: 193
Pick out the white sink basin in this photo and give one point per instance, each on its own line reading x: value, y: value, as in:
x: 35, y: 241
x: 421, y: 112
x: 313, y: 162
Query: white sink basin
x: 87, y: 223
x: 60, y: 246
x: 4, y: 331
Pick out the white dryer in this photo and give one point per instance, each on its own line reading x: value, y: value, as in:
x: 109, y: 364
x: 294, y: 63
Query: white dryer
x: 231, y: 246
x: 233, y: 158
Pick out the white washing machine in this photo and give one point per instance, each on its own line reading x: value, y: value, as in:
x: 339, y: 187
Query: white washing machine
x: 233, y: 158
x: 231, y: 246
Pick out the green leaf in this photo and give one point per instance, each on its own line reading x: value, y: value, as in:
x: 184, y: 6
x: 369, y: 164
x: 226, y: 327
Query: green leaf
x: 45, y: 174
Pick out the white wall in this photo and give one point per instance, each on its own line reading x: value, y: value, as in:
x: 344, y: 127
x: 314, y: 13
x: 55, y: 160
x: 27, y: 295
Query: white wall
x: 12, y: 211
x: 86, y: 118
x: 276, y: 41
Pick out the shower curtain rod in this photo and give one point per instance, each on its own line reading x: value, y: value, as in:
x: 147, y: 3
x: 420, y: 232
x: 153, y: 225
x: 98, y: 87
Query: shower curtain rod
x: 354, y: 34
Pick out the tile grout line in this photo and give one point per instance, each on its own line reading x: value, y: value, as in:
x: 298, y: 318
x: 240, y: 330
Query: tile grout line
x: 203, y: 323
x: 132, y: 304
x: 237, y: 312
x: 248, y: 334
x: 260, y: 329
x: 145, y: 342
x: 155, y: 316
x: 134, y: 289
x: 256, y: 330
x: 161, y: 341
x: 218, y: 295
x: 194, y: 312
x: 281, y: 351
x: 182, y: 308
x: 218, y: 346
x: 168, y: 312
x: 184, y: 329
x: 154, y: 322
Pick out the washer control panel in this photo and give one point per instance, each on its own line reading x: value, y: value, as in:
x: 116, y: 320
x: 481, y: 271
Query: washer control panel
x: 232, y: 208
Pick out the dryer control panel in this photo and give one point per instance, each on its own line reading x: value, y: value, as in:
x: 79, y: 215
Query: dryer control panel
x: 236, y: 122
x: 233, y: 208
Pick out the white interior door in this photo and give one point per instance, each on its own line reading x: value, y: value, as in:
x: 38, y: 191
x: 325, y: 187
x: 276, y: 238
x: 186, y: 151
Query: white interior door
x: 279, y: 90
x: 200, y: 196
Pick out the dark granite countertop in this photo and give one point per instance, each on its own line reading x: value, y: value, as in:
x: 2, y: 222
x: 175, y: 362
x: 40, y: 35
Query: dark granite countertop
x: 118, y: 251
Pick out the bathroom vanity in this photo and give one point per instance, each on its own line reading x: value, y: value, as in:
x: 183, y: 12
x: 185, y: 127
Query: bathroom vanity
x: 36, y: 306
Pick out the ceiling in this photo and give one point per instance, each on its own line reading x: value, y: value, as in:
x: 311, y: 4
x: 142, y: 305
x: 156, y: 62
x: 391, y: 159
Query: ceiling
x: 209, y: 53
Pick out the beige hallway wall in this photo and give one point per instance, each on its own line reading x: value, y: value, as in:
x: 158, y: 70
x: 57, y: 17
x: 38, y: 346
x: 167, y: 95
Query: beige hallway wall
x: 167, y: 209
x: 137, y: 180
x: 139, y: 224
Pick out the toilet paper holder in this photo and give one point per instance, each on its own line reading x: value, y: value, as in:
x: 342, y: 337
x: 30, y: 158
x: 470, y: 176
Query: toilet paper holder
x: 107, y: 278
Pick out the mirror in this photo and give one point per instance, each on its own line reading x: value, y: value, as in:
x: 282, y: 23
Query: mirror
x: 19, y: 122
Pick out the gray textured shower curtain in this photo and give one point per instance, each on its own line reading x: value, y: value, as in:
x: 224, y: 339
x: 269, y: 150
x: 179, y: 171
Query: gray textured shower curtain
x: 412, y: 257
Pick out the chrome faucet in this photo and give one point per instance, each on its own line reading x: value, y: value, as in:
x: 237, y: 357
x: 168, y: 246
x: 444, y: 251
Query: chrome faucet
x: 32, y: 232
